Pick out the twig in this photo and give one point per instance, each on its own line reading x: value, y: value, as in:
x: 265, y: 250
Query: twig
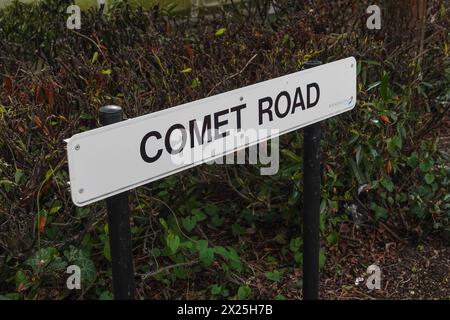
x: 233, y: 75
x: 152, y: 274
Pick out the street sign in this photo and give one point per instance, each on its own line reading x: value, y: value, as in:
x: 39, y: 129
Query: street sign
x: 162, y: 143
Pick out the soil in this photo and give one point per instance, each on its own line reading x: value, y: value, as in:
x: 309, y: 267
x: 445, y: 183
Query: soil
x: 409, y: 270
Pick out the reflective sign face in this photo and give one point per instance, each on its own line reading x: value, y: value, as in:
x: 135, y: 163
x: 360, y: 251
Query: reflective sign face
x: 115, y: 158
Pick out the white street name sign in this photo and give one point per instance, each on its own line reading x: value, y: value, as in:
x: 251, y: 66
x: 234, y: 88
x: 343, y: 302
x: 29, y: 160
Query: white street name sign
x: 119, y: 157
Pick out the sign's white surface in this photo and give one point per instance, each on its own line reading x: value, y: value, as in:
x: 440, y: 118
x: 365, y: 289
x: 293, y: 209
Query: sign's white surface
x: 115, y: 158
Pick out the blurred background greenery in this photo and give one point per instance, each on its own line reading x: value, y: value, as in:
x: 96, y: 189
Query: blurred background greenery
x: 178, y: 5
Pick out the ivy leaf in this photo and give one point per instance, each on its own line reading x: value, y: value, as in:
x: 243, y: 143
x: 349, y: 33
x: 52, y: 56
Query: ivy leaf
x: 380, y: 212
x: 81, y: 259
x: 207, y: 257
x: 274, y: 275
x: 173, y: 242
x: 216, y: 289
x: 206, y: 254
x: 243, y: 292
x: 394, y: 144
x: 189, y: 223
x: 106, y: 295
x: 217, y: 221
x: 332, y: 238
x: 231, y: 256
x: 295, y: 244
x: 426, y: 165
x: 413, y: 161
x: 198, y: 214
x: 47, y: 259
x: 429, y: 178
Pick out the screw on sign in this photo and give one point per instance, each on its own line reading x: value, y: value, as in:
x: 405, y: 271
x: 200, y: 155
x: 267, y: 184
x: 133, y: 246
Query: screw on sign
x: 106, y: 162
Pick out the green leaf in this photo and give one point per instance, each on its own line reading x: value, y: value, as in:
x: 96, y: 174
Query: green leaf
x: 388, y: 184
x: 358, y: 154
x: 298, y: 257
x: 198, y: 214
x: 155, y: 252
x: 231, y: 256
x: 186, y: 70
x: 48, y: 174
x: 291, y: 155
x: 106, y: 295
x: 22, y: 278
x: 107, y: 71
x: 206, y: 254
x: 81, y: 259
x: 356, y: 172
x: 332, y: 238
x: 322, y: 258
x: 82, y: 212
x: 394, y: 144
x: 54, y: 209
x: 380, y: 212
x: 107, y: 249
x: 234, y: 259
x: 274, y: 275
x: 211, y: 210
x: 220, y: 32
x: 384, y: 88
x: 280, y: 297
x: 173, y: 242
x: 18, y: 176
x: 195, y: 83
x: 94, y: 57
x: 207, y: 257
x: 237, y: 229
x: 201, y: 245
x: 413, y: 160
x: 47, y: 259
x: 217, y: 221
x: 295, y: 244
x: 7, y: 184
x: 243, y: 292
x: 189, y: 223
x: 429, y: 178
x: 426, y: 165
x: 216, y: 289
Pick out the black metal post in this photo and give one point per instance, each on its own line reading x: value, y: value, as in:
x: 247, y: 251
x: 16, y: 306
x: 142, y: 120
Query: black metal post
x: 119, y: 227
x: 311, y: 203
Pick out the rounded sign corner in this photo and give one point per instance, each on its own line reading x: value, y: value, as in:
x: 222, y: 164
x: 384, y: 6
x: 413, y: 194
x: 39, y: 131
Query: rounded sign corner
x: 75, y: 200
